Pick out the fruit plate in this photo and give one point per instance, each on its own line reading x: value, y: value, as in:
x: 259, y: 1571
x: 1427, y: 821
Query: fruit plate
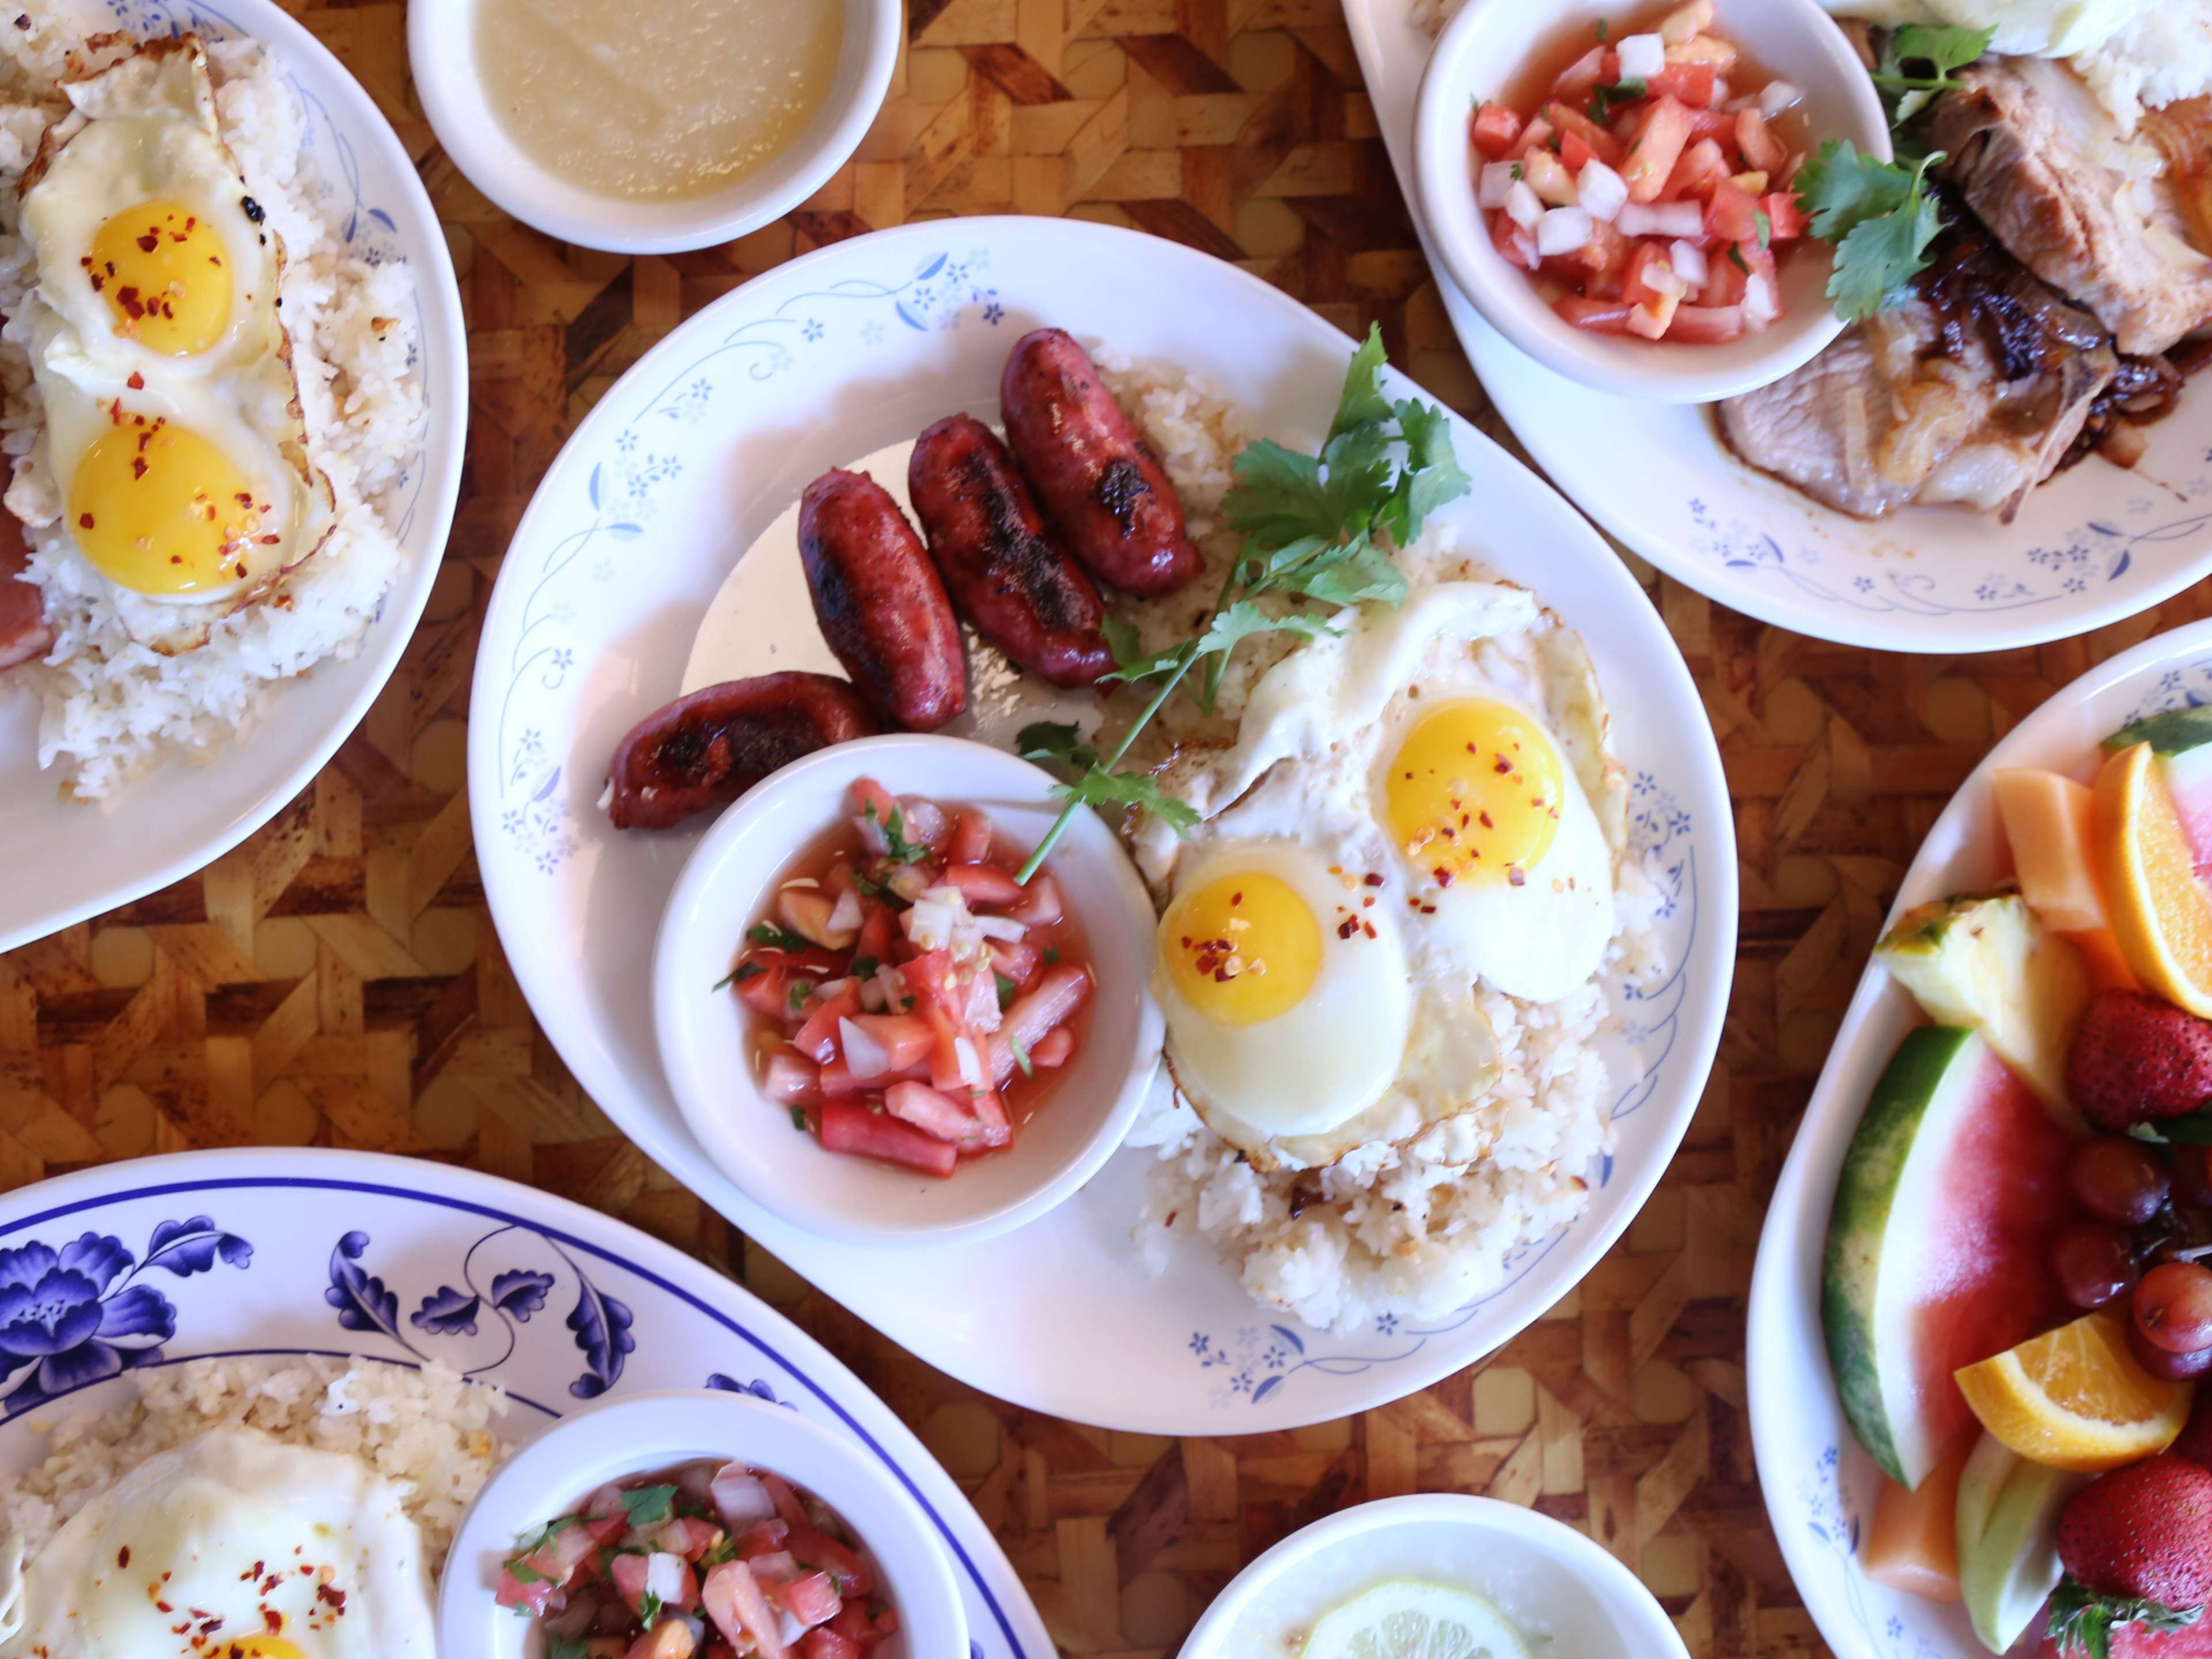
x: 69, y: 861
x: 1819, y: 1483
x: 2097, y: 544
x: 705, y: 444
x: 299, y: 1251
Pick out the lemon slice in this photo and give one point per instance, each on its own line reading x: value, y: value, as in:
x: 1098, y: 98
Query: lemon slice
x: 1413, y: 1619
x: 2075, y: 1399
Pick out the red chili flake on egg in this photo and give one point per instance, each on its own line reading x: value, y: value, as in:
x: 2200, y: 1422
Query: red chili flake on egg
x: 122, y: 1556
x: 1514, y: 877
x: 1347, y: 927
x: 1443, y: 875
x: 84, y: 521
x: 1501, y: 764
x: 1373, y: 878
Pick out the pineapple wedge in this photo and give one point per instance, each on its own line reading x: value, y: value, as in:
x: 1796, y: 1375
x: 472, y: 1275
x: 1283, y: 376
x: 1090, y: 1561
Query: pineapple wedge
x: 1984, y: 960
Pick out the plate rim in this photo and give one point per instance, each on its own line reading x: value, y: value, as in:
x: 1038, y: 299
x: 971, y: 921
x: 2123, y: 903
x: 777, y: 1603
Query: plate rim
x: 1776, y: 1270
x: 400, y: 611
x: 1405, y: 1375
x: 496, y: 1197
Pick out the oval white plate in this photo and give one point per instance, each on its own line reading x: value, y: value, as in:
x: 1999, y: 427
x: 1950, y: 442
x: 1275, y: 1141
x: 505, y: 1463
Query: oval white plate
x: 2093, y: 545
x: 705, y: 443
x: 1819, y: 1483
x: 67, y: 861
x: 299, y: 1251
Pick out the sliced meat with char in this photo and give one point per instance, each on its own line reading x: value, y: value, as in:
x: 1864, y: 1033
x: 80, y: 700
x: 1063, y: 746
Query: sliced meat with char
x: 23, y: 631
x: 2091, y: 213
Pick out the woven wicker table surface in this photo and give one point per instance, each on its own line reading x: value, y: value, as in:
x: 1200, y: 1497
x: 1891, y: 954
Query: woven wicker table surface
x: 337, y: 981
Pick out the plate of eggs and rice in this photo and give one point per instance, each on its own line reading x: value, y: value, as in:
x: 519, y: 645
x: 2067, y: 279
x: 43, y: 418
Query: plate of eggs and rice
x: 234, y: 368
x: 1437, y: 852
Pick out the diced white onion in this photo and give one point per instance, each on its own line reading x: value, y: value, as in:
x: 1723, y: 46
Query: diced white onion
x: 1683, y: 219
x: 740, y: 1498
x: 893, y: 988
x: 971, y: 1065
x: 1778, y: 95
x: 1603, y: 191
x: 1760, y: 304
x: 1563, y: 230
x: 664, y: 1576
x: 1722, y: 93
x: 1662, y: 279
x: 831, y: 987
x: 1689, y: 262
x: 907, y: 882
x: 1641, y: 56
x: 1496, y: 184
x: 872, y: 996
x: 845, y: 916
x: 947, y: 895
x: 871, y: 834
x: 1000, y: 927
x: 928, y: 924
x: 1522, y: 205
x: 924, y: 820
x: 865, y: 1057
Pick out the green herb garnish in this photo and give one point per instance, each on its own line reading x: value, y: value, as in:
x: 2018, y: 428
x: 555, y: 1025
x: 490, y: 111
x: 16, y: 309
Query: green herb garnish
x: 1880, y: 217
x: 901, y: 851
x: 1942, y: 49
x: 1605, y: 95
x: 650, y: 1506
x: 1021, y: 1055
x: 1007, y: 991
x: 799, y: 1118
x: 1759, y: 216
x: 865, y: 967
x: 775, y: 937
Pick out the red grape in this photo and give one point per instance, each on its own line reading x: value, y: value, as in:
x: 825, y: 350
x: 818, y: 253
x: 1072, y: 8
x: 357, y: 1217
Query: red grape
x: 2173, y: 1367
x: 2173, y: 1307
x: 2192, y: 1179
x: 2118, y: 1180
x: 2093, y: 1263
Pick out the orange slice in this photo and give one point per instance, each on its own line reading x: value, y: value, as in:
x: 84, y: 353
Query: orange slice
x: 2075, y: 1398
x: 2160, y: 913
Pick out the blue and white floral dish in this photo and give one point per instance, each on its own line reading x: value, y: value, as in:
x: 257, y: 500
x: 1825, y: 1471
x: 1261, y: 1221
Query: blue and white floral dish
x: 1819, y: 1483
x: 2097, y: 544
x: 160, y: 1261
x: 685, y: 462
x: 70, y: 860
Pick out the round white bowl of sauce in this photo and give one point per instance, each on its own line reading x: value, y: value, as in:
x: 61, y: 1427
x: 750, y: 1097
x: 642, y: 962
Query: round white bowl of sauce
x: 1551, y: 1585
x: 657, y: 127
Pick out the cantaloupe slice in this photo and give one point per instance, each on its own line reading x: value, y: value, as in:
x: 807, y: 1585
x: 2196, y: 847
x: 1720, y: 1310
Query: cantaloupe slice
x: 2046, y: 820
x: 1913, y: 1544
x: 2100, y: 955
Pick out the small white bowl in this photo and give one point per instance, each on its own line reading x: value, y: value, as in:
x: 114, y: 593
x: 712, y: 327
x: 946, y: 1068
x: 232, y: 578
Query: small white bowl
x: 1550, y: 1580
x: 705, y: 1034
x: 1479, y: 55
x: 441, y: 50
x: 648, y: 1432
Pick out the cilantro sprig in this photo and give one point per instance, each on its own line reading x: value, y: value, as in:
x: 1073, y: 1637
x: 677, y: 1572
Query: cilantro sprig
x: 1317, y: 527
x: 1942, y: 49
x: 1880, y: 217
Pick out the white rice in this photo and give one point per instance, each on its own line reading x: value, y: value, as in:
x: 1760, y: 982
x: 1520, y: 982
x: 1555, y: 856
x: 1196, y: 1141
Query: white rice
x: 1416, y: 1230
x: 113, y: 706
x: 429, y: 1431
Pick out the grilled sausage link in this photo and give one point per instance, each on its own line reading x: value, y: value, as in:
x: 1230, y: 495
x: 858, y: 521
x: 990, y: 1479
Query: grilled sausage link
x: 1006, y: 571
x: 706, y: 750
x: 882, y: 608
x: 1109, y: 496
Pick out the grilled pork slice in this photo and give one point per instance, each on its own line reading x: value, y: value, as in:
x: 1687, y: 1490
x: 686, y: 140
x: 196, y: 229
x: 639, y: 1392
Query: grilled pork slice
x: 2093, y: 214
x: 23, y: 631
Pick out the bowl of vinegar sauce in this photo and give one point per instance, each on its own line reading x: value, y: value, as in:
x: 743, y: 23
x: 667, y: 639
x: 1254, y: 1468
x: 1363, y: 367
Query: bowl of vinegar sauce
x: 654, y: 127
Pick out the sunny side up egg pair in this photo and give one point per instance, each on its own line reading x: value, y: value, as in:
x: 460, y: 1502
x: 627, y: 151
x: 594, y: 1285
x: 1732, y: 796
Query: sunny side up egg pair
x: 233, y: 1546
x: 173, y: 427
x: 1418, y: 805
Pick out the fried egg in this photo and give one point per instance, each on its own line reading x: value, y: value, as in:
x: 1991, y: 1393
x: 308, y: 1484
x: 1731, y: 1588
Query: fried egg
x: 234, y: 1545
x: 1438, y: 775
x: 173, y: 426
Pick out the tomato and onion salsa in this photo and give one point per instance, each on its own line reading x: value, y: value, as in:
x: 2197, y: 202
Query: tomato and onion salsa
x: 915, y: 1002
x: 1646, y: 185
x: 708, y: 1558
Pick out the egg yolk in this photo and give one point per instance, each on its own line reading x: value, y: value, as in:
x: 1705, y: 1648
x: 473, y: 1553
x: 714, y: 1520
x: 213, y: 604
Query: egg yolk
x: 1242, y: 949
x: 166, y: 276
x: 159, y: 510
x: 256, y: 1647
x: 1473, y: 793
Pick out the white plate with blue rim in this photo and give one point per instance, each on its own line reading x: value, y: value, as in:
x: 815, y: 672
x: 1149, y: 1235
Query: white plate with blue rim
x: 690, y: 460
x: 1821, y: 1483
x: 2097, y: 544
x: 69, y: 860
x: 267, y: 1253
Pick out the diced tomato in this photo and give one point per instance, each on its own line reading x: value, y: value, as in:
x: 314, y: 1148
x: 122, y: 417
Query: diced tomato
x: 769, y: 1571
x: 1725, y: 280
x: 983, y: 885
x: 823, y: 1643
x: 1706, y: 324
x: 1654, y: 316
x: 817, y: 1549
x: 1495, y: 129
x: 1693, y: 83
x: 1784, y: 217
x: 1016, y: 959
x: 1058, y: 993
x: 790, y: 1079
x: 867, y: 792
x: 1054, y: 1050
x: 1042, y: 905
x: 1575, y: 151
x: 1730, y: 213
x: 1585, y: 72
x: 1702, y: 167
x: 1599, y: 316
x: 629, y: 1572
x: 933, y: 1112
x: 1515, y: 244
x: 812, y: 1599
x: 741, y: 1612
x: 1716, y: 124
x: 806, y: 911
x: 1573, y: 123
x: 991, y: 1113
x: 877, y: 930
x: 1635, y: 288
x: 764, y: 992
x: 907, y: 1038
x: 817, y: 1036
x: 1536, y: 136
x: 1599, y: 262
x: 1659, y: 144
x: 971, y: 838
x: 847, y: 1127
x: 671, y: 1638
x: 788, y: 1509
x: 1761, y: 148
x: 762, y: 1538
x: 535, y: 1596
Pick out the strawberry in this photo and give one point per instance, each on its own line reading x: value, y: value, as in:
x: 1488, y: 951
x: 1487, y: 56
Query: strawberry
x: 2138, y: 1057
x: 2137, y: 1545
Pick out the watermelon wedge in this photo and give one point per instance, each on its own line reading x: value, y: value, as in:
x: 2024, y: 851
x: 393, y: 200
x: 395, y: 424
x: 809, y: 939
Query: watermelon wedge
x: 2135, y: 1642
x: 1937, y: 1254
x: 2182, y: 739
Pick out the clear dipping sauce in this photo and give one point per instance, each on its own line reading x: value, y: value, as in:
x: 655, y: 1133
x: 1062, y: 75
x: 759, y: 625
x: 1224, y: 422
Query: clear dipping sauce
x: 656, y: 99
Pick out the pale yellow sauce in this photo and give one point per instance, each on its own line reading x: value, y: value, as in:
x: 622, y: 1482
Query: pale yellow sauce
x: 656, y: 99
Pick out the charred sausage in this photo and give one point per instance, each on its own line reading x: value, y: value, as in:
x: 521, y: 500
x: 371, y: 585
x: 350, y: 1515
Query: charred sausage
x: 1108, y: 494
x: 1007, y: 572
x: 882, y: 608
x: 706, y: 750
